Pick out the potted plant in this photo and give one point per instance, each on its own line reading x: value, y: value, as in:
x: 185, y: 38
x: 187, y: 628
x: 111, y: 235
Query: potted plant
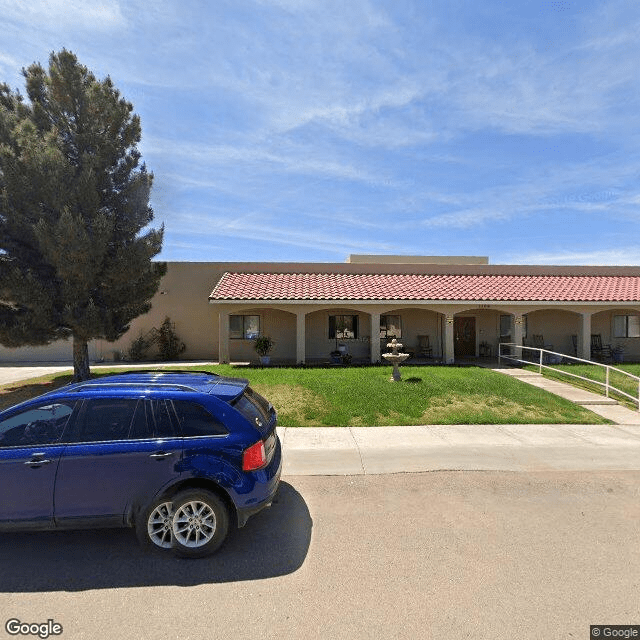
x: 263, y: 346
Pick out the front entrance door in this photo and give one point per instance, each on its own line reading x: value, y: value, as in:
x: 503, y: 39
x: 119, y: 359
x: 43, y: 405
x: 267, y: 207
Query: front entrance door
x: 464, y: 333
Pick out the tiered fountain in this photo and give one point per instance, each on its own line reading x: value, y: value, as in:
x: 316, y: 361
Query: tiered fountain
x: 395, y: 359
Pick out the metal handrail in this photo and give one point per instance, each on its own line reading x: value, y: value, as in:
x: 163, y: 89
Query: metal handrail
x: 550, y: 356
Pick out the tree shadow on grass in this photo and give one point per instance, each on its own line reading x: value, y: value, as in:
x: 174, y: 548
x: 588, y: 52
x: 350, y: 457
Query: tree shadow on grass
x: 273, y: 543
x: 17, y: 392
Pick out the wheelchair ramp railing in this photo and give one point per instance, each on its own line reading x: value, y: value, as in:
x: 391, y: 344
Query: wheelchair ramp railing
x: 612, y: 380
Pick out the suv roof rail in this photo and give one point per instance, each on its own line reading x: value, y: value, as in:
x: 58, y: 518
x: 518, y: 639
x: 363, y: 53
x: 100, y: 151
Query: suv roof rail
x: 135, y: 372
x: 165, y: 385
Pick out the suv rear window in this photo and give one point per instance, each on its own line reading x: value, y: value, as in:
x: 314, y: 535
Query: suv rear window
x: 195, y: 420
x: 253, y: 407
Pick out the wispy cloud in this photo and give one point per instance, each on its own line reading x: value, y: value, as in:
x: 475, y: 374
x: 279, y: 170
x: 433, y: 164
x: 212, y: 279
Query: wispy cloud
x: 255, y: 226
x: 293, y: 159
x: 370, y: 126
x: 621, y: 256
x: 69, y: 14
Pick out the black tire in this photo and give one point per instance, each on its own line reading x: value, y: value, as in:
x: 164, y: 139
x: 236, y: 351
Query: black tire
x: 154, y: 525
x: 200, y: 523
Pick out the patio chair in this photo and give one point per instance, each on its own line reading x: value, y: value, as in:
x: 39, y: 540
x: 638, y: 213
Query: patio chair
x: 548, y: 358
x: 600, y: 351
x: 424, y: 347
x: 538, y: 341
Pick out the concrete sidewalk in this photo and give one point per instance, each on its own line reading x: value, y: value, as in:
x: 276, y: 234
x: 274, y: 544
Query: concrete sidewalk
x: 374, y: 450
x: 535, y: 447
x: 605, y: 407
x: 14, y: 373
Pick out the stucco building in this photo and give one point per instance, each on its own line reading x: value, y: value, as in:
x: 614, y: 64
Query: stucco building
x: 461, y: 306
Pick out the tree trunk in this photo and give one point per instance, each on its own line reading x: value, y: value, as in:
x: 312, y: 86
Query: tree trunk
x: 80, y: 359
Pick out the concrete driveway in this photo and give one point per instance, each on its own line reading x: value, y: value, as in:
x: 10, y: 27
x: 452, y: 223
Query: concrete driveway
x: 456, y: 554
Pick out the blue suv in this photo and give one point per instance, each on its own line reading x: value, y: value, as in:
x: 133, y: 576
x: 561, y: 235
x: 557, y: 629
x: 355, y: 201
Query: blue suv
x: 180, y: 456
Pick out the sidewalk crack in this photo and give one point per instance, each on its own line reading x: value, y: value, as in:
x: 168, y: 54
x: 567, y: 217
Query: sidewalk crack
x: 364, y: 471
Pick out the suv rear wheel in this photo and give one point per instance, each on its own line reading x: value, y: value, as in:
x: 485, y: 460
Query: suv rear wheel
x: 200, y: 523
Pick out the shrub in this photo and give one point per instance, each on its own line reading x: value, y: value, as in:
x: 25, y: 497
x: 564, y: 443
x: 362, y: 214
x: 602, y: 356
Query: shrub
x: 169, y: 344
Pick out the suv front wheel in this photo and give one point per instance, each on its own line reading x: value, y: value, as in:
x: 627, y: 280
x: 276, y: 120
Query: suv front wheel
x: 154, y: 527
x: 200, y: 523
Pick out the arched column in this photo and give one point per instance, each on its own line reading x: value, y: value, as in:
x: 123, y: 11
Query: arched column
x: 584, y: 336
x: 301, y: 318
x: 518, y: 326
x: 449, y: 348
x: 223, y: 337
x: 375, y: 337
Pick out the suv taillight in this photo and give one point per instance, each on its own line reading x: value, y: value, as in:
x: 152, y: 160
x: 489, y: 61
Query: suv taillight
x: 254, y: 457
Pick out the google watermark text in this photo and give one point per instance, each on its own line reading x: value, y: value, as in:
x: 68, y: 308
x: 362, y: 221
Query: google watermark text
x: 15, y: 627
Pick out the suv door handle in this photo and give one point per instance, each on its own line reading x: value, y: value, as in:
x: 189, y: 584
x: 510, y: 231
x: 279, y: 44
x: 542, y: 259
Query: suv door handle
x: 35, y: 462
x: 161, y: 455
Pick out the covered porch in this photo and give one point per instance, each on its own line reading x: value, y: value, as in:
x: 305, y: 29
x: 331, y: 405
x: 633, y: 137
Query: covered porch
x: 309, y: 316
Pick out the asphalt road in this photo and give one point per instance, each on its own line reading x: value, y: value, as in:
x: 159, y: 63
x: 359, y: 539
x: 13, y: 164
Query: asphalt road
x: 428, y: 555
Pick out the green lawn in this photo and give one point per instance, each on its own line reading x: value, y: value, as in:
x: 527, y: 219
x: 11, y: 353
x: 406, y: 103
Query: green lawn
x: 365, y: 396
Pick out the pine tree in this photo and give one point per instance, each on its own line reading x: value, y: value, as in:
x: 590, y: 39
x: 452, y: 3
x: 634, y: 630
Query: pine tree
x: 75, y: 251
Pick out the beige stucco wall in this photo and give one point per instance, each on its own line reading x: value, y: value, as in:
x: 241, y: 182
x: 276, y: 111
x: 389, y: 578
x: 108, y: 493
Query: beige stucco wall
x: 183, y: 296
x: 417, y: 322
x: 279, y: 325
x: 602, y: 323
x: 556, y: 326
x: 387, y: 259
x: 61, y: 351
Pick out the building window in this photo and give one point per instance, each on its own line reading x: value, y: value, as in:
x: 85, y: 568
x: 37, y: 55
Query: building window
x: 506, y: 327
x: 244, y: 327
x: 390, y: 327
x: 626, y: 326
x: 343, y: 327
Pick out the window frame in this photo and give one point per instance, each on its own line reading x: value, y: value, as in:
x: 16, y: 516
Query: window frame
x: 64, y: 432
x: 333, y: 326
x: 244, y: 317
x: 75, y: 436
x: 177, y: 402
x: 626, y: 317
x: 384, y: 333
x: 512, y: 325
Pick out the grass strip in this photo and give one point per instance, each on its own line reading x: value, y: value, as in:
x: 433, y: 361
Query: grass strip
x: 364, y: 396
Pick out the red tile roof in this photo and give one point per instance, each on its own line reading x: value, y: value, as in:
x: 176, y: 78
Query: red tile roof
x: 336, y: 286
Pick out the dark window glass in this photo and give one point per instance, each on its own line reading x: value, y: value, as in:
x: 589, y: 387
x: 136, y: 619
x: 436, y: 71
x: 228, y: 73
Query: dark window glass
x: 162, y: 424
x: 505, y: 326
x: 140, y: 427
x: 105, y: 419
x: 343, y: 327
x: 36, y: 426
x: 253, y: 407
x: 244, y: 327
x: 390, y: 327
x: 626, y: 326
x: 195, y: 420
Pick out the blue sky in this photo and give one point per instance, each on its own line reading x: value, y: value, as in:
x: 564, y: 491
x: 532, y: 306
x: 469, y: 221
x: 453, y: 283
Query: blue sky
x: 306, y: 130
